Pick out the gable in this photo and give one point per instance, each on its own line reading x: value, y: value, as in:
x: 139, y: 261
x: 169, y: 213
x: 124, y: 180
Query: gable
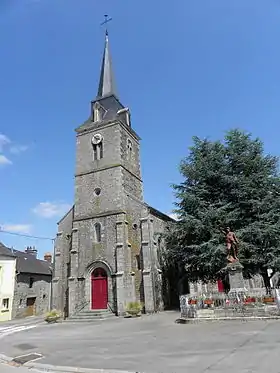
x: 5, y: 251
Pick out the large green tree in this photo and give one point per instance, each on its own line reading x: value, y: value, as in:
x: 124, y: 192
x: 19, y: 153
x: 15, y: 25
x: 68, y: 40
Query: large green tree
x: 226, y: 183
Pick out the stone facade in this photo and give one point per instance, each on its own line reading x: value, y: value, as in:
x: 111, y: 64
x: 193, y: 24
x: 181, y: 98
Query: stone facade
x: 109, y: 226
x: 31, y: 286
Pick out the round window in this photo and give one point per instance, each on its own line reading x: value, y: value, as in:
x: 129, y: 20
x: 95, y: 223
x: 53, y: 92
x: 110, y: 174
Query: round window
x: 97, y: 191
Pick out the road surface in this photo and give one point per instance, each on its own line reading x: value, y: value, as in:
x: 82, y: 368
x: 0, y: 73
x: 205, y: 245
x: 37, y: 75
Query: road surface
x: 154, y: 344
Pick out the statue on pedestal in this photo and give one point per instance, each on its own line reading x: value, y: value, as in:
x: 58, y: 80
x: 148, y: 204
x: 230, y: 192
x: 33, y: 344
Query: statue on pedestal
x: 232, y: 245
x: 234, y: 267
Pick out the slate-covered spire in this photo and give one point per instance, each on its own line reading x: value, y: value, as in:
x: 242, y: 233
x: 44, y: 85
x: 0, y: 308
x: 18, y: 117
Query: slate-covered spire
x: 107, y: 82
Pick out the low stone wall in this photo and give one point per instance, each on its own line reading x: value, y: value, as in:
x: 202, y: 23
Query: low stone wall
x: 220, y: 306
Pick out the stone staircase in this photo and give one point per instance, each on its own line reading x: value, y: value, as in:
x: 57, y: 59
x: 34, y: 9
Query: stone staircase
x: 91, y: 316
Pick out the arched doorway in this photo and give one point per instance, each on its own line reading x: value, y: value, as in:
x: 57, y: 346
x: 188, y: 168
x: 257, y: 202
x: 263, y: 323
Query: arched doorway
x: 99, y: 289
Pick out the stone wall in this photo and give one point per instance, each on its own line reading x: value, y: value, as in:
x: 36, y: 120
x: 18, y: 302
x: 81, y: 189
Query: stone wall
x: 41, y: 290
x: 87, y: 203
x: 135, y: 211
x: 159, y: 226
x: 62, y: 258
x: 130, y: 155
x: 85, y: 253
x: 111, y: 134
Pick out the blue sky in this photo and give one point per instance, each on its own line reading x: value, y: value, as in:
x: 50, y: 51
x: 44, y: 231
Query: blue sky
x: 185, y: 68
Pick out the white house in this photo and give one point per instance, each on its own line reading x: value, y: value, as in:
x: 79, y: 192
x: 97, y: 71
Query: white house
x: 7, y: 282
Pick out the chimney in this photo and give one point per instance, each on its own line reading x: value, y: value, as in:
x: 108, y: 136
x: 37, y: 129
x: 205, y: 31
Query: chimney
x: 48, y: 257
x: 32, y: 251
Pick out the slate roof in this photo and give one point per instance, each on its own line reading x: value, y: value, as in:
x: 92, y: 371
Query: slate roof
x: 4, y: 251
x: 159, y: 214
x: 27, y: 263
x: 107, y: 81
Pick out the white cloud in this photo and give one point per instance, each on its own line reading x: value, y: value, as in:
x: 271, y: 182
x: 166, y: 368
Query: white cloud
x: 51, y: 209
x: 17, y: 149
x: 7, y: 145
x: 4, y: 140
x: 16, y: 228
x: 4, y: 160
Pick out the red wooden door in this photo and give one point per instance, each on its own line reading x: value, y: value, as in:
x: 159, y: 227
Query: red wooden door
x: 99, y: 289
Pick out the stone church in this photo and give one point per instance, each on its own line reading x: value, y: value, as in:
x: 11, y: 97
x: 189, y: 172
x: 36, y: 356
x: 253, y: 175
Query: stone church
x: 108, y: 246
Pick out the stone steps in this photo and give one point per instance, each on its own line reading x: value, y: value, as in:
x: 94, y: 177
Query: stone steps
x: 94, y: 315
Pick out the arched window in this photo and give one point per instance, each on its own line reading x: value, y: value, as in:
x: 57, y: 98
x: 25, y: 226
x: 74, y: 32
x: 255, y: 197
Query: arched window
x: 97, y: 146
x: 100, y: 150
x: 129, y: 149
x: 97, y: 232
x: 98, y: 112
x: 97, y: 151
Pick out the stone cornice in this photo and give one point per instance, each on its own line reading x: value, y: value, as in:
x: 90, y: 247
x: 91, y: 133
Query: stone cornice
x: 101, y: 215
x: 110, y: 166
x: 93, y: 126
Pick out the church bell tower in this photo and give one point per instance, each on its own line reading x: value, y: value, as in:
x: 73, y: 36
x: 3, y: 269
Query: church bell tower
x: 107, y: 150
x: 107, y: 174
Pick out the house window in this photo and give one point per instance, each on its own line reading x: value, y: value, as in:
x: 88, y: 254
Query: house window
x: 97, y: 232
x: 5, y: 304
x: 31, y: 282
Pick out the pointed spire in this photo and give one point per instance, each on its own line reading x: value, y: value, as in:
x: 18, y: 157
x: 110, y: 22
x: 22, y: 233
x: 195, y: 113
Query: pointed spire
x: 107, y: 82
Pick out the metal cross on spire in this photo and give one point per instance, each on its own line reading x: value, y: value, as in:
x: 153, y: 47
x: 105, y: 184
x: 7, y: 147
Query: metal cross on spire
x: 107, y: 82
x: 106, y: 21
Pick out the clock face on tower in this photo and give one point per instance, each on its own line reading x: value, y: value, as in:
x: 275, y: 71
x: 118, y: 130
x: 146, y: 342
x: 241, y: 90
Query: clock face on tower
x: 96, y: 139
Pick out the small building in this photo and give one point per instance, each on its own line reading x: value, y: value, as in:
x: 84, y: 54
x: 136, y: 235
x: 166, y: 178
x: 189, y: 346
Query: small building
x: 30, y: 283
x: 7, y: 282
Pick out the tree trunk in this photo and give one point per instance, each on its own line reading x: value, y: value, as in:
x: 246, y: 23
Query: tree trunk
x: 266, y: 281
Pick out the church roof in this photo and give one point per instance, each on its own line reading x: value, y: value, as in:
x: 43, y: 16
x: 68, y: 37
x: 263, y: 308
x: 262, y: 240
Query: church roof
x: 27, y: 263
x: 64, y: 216
x: 107, y: 85
x: 159, y: 214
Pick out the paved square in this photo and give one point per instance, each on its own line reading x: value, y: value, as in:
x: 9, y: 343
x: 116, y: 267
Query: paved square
x: 155, y: 344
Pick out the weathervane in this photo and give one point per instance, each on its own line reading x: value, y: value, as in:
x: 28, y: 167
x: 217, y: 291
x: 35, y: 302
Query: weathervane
x: 107, y: 20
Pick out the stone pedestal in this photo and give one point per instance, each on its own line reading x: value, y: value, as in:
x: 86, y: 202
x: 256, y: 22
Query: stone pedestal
x: 236, y: 281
